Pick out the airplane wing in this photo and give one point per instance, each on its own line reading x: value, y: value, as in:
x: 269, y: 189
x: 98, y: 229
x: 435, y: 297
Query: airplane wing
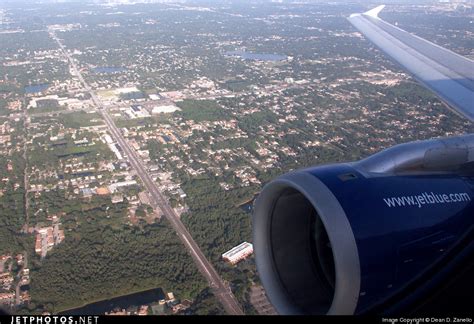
x: 449, y: 75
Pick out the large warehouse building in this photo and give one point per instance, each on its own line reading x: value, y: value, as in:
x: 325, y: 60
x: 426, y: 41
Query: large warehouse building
x: 238, y: 253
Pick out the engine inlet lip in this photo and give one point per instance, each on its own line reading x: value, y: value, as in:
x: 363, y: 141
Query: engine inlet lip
x: 335, y: 221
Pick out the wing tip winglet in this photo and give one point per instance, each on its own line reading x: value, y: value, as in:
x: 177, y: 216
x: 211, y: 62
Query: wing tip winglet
x: 374, y: 12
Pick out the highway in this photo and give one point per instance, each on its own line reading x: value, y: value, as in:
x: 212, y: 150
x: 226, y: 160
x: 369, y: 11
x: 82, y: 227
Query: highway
x: 219, y: 288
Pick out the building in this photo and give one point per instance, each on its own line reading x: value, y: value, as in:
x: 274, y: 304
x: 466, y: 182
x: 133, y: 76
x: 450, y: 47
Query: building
x: 47, y: 238
x: 38, y: 245
x: 7, y: 297
x: 164, y: 109
x: 143, y: 310
x: 6, y: 280
x: 117, y: 198
x: 238, y: 253
x: 114, y: 186
x: 87, y: 192
x: 120, y: 312
x: 25, y: 297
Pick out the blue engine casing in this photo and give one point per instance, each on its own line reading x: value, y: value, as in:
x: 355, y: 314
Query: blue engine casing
x: 396, y: 242
x: 387, y: 225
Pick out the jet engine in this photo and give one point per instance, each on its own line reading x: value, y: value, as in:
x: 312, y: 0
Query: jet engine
x: 370, y: 235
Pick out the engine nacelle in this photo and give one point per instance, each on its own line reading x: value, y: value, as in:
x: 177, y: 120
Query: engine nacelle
x: 345, y: 238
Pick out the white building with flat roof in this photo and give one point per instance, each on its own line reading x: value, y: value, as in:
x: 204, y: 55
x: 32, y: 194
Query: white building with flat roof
x: 238, y: 253
x: 164, y: 109
x: 114, y: 186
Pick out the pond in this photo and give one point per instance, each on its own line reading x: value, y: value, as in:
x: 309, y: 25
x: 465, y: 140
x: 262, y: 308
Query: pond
x: 122, y: 302
x: 35, y: 88
x: 257, y: 56
x: 248, y: 207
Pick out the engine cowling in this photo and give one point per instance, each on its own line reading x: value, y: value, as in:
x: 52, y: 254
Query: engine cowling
x: 346, y: 238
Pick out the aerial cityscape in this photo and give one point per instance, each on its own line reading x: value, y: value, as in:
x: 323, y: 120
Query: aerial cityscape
x: 135, y: 136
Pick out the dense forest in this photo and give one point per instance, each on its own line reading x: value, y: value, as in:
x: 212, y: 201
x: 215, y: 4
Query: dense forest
x: 12, y: 197
x: 84, y: 268
x: 200, y: 110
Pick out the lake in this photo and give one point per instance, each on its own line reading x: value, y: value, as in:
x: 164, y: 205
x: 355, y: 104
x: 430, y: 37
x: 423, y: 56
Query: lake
x: 248, y: 207
x: 257, y: 56
x: 122, y: 302
x: 108, y: 69
x: 35, y: 88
